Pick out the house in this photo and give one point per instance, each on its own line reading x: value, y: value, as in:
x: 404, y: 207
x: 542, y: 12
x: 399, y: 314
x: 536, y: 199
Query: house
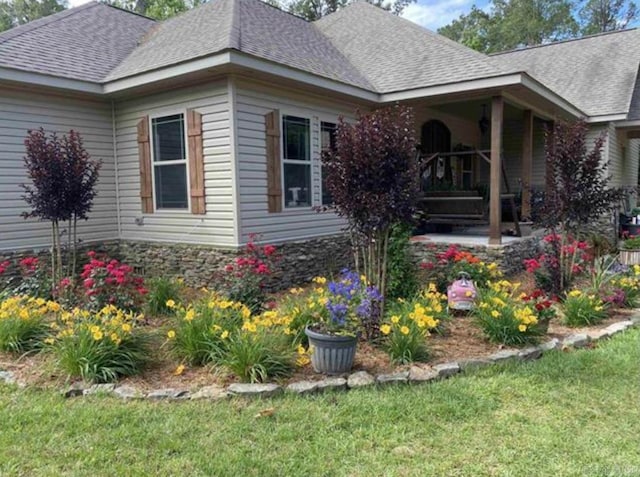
x: 210, y: 125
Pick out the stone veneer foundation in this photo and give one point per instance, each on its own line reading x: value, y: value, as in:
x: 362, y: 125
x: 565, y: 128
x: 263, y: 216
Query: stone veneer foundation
x: 298, y: 261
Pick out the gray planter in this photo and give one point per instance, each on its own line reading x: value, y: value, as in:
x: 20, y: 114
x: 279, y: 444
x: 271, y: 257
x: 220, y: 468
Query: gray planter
x: 331, y: 354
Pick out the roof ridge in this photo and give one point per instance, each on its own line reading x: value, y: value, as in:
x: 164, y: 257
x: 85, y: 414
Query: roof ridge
x: 562, y: 42
x: 40, y: 22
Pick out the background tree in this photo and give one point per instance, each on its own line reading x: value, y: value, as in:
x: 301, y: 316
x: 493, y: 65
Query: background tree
x: 597, y: 16
x: 514, y: 23
x: 19, y: 12
x: 373, y: 179
x: 62, y: 188
x: 158, y: 9
x: 315, y: 9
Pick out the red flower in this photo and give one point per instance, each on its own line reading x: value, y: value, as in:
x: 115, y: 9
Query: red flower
x: 89, y: 282
x: 262, y: 269
x: 65, y: 282
x: 91, y: 254
x: 427, y: 265
x: 269, y: 250
x: 531, y: 265
x: 228, y: 268
x: 29, y: 263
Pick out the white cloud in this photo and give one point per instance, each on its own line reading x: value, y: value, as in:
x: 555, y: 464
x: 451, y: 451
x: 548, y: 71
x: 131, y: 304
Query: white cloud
x: 433, y: 14
x: 75, y: 3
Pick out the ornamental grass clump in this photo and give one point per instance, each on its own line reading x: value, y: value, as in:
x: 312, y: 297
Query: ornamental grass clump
x: 200, y: 330
x: 163, y: 290
x: 504, y: 318
x: 24, y: 322
x: 409, y: 323
x: 583, y: 309
x: 99, y: 346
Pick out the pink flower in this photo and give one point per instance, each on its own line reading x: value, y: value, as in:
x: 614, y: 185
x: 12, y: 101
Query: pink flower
x: 228, y: 268
x: 89, y: 282
x: 142, y: 290
x: 91, y: 254
x: 65, y: 282
x: 262, y: 269
x: 269, y: 250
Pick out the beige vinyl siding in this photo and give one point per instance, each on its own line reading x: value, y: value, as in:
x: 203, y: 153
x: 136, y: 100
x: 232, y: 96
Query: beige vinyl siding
x: 512, y: 154
x: 252, y: 102
x: 21, y: 111
x: 216, y: 227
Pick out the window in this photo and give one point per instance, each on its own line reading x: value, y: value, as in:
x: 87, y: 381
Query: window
x: 327, y: 143
x: 169, y: 162
x: 296, y: 161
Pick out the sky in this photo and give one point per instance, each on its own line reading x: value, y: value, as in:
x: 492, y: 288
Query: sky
x: 431, y: 14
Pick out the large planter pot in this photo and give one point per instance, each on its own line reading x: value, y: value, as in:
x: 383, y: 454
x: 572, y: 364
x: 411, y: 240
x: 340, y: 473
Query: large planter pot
x: 630, y: 257
x: 332, y: 354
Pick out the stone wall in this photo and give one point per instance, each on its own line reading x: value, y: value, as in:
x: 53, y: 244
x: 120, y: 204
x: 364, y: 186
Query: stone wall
x: 298, y: 261
x: 508, y: 256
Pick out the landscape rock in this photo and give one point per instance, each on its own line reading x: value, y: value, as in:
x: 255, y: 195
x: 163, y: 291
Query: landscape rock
x: 213, y: 392
x: 635, y: 319
x: 128, y: 392
x: 505, y: 355
x: 7, y: 377
x: 446, y: 370
x: 401, y: 377
x: 303, y: 387
x: 254, y: 389
x: 422, y: 375
x: 104, y: 388
x: 530, y: 353
x: 331, y: 384
x: 360, y: 379
x: 578, y: 340
x: 618, y: 327
x: 168, y: 393
x: 474, y: 363
x: 597, y: 335
x: 550, y: 345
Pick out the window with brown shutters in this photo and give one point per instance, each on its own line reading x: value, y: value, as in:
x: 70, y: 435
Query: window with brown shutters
x: 274, y: 181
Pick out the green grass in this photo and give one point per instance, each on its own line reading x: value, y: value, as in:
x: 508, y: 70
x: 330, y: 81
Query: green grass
x: 569, y: 414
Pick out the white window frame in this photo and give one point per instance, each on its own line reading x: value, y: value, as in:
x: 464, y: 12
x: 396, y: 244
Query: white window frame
x: 283, y: 161
x: 328, y: 120
x: 185, y: 161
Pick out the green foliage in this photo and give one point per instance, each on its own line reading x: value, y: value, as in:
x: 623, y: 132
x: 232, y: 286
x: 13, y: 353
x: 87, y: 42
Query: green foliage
x: 402, y: 274
x: 631, y: 243
x: 100, y: 347
x: 408, y: 324
x: 19, y: 12
x: 24, y: 323
x: 582, y: 309
x: 157, y: 9
x: 504, y: 318
x: 513, y: 24
x: 259, y: 356
x: 161, y: 291
x: 598, y: 16
x: 200, y: 331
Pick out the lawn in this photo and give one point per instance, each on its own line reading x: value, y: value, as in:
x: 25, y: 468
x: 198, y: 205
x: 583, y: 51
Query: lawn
x: 569, y: 414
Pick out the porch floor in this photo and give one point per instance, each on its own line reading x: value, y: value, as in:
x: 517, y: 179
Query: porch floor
x: 471, y: 236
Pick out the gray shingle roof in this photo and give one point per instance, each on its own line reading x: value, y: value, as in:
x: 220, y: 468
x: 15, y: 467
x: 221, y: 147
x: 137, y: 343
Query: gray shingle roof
x: 250, y: 26
x: 597, y: 73
x: 396, y: 54
x: 83, y: 43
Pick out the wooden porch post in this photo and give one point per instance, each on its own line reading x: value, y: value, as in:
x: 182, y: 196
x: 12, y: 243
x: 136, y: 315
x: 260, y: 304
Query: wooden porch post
x: 495, y: 209
x: 527, y: 162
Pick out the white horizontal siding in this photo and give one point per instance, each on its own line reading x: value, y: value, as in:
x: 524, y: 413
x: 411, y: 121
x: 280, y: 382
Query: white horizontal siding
x: 21, y: 111
x: 252, y: 102
x: 216, y: 227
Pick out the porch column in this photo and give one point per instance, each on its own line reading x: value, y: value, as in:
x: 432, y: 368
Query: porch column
x: 495, y: 209
x: 527, y: 162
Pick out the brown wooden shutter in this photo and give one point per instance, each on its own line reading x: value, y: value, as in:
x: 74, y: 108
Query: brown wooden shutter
x: 196, y: 162
x: 274, y: 186
x: 144, y: 153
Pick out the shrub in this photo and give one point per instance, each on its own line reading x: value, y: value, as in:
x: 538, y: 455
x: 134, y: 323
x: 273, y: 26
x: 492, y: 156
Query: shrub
x: 201, y: 330
x: 101, y: 346
x: 449, y: 264
x: 542, y: 304
x: 108, y: 282
x: 29, y: 276
x: 24, y: 323
x: 244, y: 280
x: 402, y: 278
x: 257, y: 353
x: 581, y: 309
x: 631, y: 243
x: 630, y: 288
x: 162, y: 291
x: 504, y: 318
x: 408, y: 325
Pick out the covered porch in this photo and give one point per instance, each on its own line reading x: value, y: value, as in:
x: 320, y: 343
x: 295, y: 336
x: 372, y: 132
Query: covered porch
x: 481, y: 154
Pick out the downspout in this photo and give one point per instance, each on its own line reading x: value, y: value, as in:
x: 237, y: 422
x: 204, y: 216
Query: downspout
x: 115, y: 161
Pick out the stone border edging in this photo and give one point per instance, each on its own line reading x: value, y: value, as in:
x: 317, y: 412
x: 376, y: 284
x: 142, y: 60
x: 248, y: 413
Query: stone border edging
x: 358, y: 379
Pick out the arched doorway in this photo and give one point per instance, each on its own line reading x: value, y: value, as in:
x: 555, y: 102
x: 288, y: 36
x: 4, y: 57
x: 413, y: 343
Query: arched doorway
x: 435, y: 136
